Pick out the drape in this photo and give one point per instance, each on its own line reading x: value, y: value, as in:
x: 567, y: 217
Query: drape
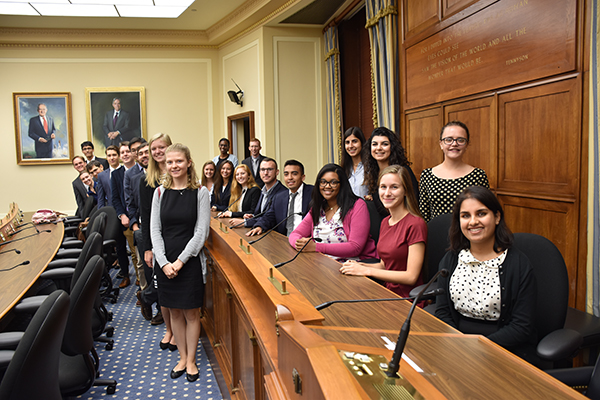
x: 332, y: 102
x: 382, y: 23
x: 593, y: 261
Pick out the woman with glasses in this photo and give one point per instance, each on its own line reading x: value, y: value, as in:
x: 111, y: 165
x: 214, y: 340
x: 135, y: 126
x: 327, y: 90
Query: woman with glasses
x: 337, y: 219
x: 441, y: 185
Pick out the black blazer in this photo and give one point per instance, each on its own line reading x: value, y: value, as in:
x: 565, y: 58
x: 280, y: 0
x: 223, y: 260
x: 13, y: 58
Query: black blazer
x: 249, y: 203
x: 223, y: 201
x: 248, y: 162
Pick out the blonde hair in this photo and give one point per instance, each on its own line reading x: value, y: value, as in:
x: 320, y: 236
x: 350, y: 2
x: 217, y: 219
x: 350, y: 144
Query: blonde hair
x: 236, y: 188
x: 192, y: 178
x: 410, y: 200
x: 153, y: 174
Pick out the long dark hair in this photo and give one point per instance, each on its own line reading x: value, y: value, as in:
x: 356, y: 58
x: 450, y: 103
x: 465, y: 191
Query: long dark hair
x: 397, y: 157
x: 503, y: 236
x: 345, y: 198
x: 347, y: 163
x: 218, y: 185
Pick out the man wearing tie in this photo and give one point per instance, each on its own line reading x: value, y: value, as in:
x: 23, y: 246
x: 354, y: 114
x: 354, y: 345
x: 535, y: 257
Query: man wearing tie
x: 253, y: 162
x: 42, y: 131
x: 116, y: 124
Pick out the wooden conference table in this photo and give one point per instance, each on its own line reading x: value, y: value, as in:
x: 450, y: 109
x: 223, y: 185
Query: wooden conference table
x: 267, y: 341
x: 37, y: 248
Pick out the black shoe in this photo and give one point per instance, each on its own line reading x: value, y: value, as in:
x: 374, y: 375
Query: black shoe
x: 145, y: 308
x: 157, y: 319
x: 172, y: 347
x: 177, y: 374
x: 192, y: 378
x: 163, y: 345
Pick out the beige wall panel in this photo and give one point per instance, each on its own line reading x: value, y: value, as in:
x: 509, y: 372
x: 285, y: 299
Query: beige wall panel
x: 298, y: 106
x: 179, y: 101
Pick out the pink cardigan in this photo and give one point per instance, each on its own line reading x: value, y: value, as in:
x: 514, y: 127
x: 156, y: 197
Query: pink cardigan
x: 357, y: 224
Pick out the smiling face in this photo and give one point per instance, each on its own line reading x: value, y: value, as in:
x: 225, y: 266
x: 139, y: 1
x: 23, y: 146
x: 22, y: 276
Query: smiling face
x: 224, y: 147
x: 113, y: 158
x: 78, y: 164
x: 353, y: 146
x: 157, y: 149
x: 209, y: 171
x: 241, y: 176
x: 268, y: 172
x: 226, y: 171
x: 391, y: 191
x: 125, y: 155
x: 454, y: 150
x: 329, y: 185
x: 88, y: 152
x: 86, y: 178
x: 477, y: 222
x: 381, y: 148
x: 293, y: 177
x: 42, y: 110
x: 144, y: 156
x: 177, y: 164
x: 254, y: 148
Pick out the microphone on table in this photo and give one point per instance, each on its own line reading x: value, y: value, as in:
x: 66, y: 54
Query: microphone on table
x: 254, y: 216
x: 21, y: 230
x: 394, y: 363
x: 275, y: 227
x: 22, y: 225
x: 26, y: 262
x: 24, y: 237
x: 431, y: 293
x: 229, y: 206
x: 15, y: 250
x: 281, y: 264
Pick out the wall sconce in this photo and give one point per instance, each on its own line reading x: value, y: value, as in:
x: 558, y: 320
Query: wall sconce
x: 236, y: 97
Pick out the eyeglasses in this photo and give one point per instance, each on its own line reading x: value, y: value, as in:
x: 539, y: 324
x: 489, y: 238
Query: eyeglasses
x: 267, y: 169
x: 461, y: 141
x: 333, y: 184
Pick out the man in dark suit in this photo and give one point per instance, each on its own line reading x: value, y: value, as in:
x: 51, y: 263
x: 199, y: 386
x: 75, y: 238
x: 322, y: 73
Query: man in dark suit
x: 42, y: 131
x: 87, y: 148
x: 116, y: 124
x: 103, y: 185
x: 253, y: 162
x: 79, y: 188
x: 286, y: 203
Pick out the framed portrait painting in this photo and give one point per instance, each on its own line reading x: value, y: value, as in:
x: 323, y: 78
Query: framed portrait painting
x: 43, y: 128
x: 115, y: 115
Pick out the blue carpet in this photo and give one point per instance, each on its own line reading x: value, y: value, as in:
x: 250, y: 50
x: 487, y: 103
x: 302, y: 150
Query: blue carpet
x: 139, y: 366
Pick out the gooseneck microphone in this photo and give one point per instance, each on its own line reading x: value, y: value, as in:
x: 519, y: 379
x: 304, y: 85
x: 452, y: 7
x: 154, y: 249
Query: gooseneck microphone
x: 229, y: 206
x: 7, y: 251
x: 394, y: 364
x: 275, y: 227
x: 26, y: 262
x: 281, y: 264
x: 431, y: 293
x: 24, y: 237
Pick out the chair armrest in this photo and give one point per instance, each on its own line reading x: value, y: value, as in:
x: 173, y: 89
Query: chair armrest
x: 63, y: 262
x: 68, y: 253
x: 29, y: 305
x: 558, y: 345
x: 58, y: 273
x: 10, y: 340
x: 572, y: 376
x: 72, y: 244
x: 5, y: 358
x: 109, y: 243
x: 415, y: 292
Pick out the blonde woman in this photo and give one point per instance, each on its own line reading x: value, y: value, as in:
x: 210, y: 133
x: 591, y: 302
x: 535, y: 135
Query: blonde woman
x: 244, y: 193
x: 179, y: 227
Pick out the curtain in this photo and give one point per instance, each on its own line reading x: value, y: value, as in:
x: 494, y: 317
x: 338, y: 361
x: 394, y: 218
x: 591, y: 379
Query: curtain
x: 332, y: 102
x: 593, y: 261
x: 382, y: 23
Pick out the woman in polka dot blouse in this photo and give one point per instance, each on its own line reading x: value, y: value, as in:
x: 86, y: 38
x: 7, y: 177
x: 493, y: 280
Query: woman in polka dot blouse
x: 440, y: 185
x: 490, y: 288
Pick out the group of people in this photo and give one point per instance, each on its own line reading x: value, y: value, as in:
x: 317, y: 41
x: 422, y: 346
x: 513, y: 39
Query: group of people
x: 169, y: 210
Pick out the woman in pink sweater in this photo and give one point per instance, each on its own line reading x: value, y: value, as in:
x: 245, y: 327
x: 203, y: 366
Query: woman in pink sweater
x: 337, y: 217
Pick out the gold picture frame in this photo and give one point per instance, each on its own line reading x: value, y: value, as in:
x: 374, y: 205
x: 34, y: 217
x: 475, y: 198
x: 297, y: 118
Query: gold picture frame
x: 43, y: 128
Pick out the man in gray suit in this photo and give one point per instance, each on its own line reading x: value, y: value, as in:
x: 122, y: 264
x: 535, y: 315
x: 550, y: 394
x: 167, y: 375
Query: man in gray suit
x: 42, y: 131
x: 116, y: 124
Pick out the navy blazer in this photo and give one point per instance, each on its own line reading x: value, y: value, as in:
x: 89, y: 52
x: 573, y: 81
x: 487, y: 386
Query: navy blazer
x: 103, y: 189
x: 279, y: 209
x: 116, y: 187
x: 279, y: 187
x: 130, y: 186
x: 248, y: 162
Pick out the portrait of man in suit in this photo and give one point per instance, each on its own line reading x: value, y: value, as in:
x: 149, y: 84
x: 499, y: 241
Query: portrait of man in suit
x: 116, y: 124
x: 42, y: 131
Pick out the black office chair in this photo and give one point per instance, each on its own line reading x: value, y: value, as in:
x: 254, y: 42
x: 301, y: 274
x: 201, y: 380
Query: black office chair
x: 72, y: 248
x: 33, y: 369
x: 581, y: 377
x: 375, y: 220
x: 72, y: 223
x: 78, y: 368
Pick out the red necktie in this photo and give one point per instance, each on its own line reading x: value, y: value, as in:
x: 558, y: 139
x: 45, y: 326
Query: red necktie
x: 45, y: 124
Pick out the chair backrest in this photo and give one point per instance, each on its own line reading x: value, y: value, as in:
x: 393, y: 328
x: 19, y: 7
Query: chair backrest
x: 78, y: 332
x: 375, y: 220
x: 97, y: 223
x: 33, y: 370
x: 88, y: 207
x: 593, y: 389
x: 92, y: 247
x: 552, y: 281
x: 438, y: 242
x: 114, y: 228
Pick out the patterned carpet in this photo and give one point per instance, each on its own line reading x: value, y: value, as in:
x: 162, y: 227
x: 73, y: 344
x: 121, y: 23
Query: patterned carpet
x: 140, y: 367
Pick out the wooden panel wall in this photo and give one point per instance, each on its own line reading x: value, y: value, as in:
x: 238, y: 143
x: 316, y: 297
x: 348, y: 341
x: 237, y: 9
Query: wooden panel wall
x: 527, y: 134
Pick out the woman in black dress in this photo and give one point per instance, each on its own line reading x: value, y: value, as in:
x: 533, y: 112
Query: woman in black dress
x: 179, y: 227
x: 222, y: 188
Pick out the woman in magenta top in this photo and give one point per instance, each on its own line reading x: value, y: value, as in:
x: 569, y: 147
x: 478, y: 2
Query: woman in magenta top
x: 402, y: 236
x: 338, y: 217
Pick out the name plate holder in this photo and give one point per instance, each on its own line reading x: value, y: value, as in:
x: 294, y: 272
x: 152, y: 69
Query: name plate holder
x: 280, y: 286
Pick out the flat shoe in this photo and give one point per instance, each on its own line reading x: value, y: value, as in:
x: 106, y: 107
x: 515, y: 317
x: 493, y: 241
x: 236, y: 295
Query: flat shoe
x: 172, y: 347
x: 176, y: 374
x: 163, y: 346
x: 192, y: 378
